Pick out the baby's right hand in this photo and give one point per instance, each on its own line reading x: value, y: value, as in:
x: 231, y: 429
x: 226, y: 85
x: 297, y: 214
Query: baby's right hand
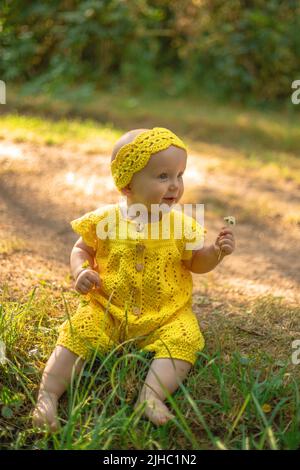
x: 86, y: 280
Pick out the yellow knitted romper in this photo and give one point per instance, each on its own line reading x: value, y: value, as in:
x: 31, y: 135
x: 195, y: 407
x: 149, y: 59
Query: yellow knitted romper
x: 145, y: 293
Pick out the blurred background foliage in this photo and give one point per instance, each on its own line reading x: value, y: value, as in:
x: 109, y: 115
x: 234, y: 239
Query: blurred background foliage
x: 243, y: 50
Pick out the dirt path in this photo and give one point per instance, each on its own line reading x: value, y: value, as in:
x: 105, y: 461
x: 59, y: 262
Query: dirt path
x: 43, y: 187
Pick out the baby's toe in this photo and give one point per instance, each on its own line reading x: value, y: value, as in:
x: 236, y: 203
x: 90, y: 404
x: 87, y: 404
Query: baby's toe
x: 54, y: 426
x: 37, y: 418
x: 158, y: 412
x: 165, y: 418
x: 44, y: 420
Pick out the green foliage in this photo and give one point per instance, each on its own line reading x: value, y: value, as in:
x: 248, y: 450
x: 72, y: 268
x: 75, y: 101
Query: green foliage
x: 251, y: 48
x: 245, y: 50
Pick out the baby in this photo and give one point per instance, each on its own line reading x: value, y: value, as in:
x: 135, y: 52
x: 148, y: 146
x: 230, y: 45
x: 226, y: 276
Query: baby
x: 139, y: 287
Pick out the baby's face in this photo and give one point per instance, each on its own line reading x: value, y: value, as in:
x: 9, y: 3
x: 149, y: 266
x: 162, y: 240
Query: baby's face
x: 160, y: 180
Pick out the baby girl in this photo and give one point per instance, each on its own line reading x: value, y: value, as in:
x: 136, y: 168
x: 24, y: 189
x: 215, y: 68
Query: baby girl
x: 136, y: 287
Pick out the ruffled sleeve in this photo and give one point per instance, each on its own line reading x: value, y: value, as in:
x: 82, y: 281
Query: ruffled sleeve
x: 193, y: 237
x: 86, y: 227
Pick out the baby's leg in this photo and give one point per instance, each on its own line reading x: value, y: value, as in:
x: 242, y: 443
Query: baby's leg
x: 56, y: 378
x: 163, y: 373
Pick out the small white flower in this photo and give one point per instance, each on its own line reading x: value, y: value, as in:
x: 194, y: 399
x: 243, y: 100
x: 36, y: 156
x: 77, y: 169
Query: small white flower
x: 230, y: 220
x: 33, y: 352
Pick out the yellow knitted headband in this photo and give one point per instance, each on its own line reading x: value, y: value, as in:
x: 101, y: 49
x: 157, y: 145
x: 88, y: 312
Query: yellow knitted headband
x: 134, y: 156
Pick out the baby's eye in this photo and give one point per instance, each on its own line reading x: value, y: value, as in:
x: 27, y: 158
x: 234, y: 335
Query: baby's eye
x: 164, y: 175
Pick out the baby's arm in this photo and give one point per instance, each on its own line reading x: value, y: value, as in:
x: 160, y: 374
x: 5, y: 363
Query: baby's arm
x: 85, y: 277
x: 79, y: 255
x: 203, y: 260
x: 207, y: 258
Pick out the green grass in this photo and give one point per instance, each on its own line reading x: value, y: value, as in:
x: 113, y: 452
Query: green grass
x: 263, y: 141
x: 11, y: 245
x: 219, y: 406
x: 23, y: 128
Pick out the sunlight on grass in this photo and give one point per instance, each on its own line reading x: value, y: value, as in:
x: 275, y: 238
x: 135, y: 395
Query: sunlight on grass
x: 194, y: 116
x: 36, y: 129
x: 11, y: 245
x: 268, y: 166
x: 272, y: 126
x: 266, y: 142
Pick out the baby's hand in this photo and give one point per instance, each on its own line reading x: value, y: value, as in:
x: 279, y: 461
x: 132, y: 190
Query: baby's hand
x: 86, y: 280
x: 225, y: 242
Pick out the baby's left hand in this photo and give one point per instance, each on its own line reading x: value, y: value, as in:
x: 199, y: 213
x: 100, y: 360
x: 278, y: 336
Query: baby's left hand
x: 225, y: 242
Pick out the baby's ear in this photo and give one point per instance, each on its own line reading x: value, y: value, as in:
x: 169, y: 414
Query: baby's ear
x: 126, y: 190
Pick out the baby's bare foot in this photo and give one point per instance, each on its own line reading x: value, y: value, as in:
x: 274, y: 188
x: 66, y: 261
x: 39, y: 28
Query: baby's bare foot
x: 45, y: 413
x: 155, y: 410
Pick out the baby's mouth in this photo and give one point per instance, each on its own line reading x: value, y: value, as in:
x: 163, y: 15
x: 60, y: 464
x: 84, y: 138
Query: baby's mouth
x: 169, y: 199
